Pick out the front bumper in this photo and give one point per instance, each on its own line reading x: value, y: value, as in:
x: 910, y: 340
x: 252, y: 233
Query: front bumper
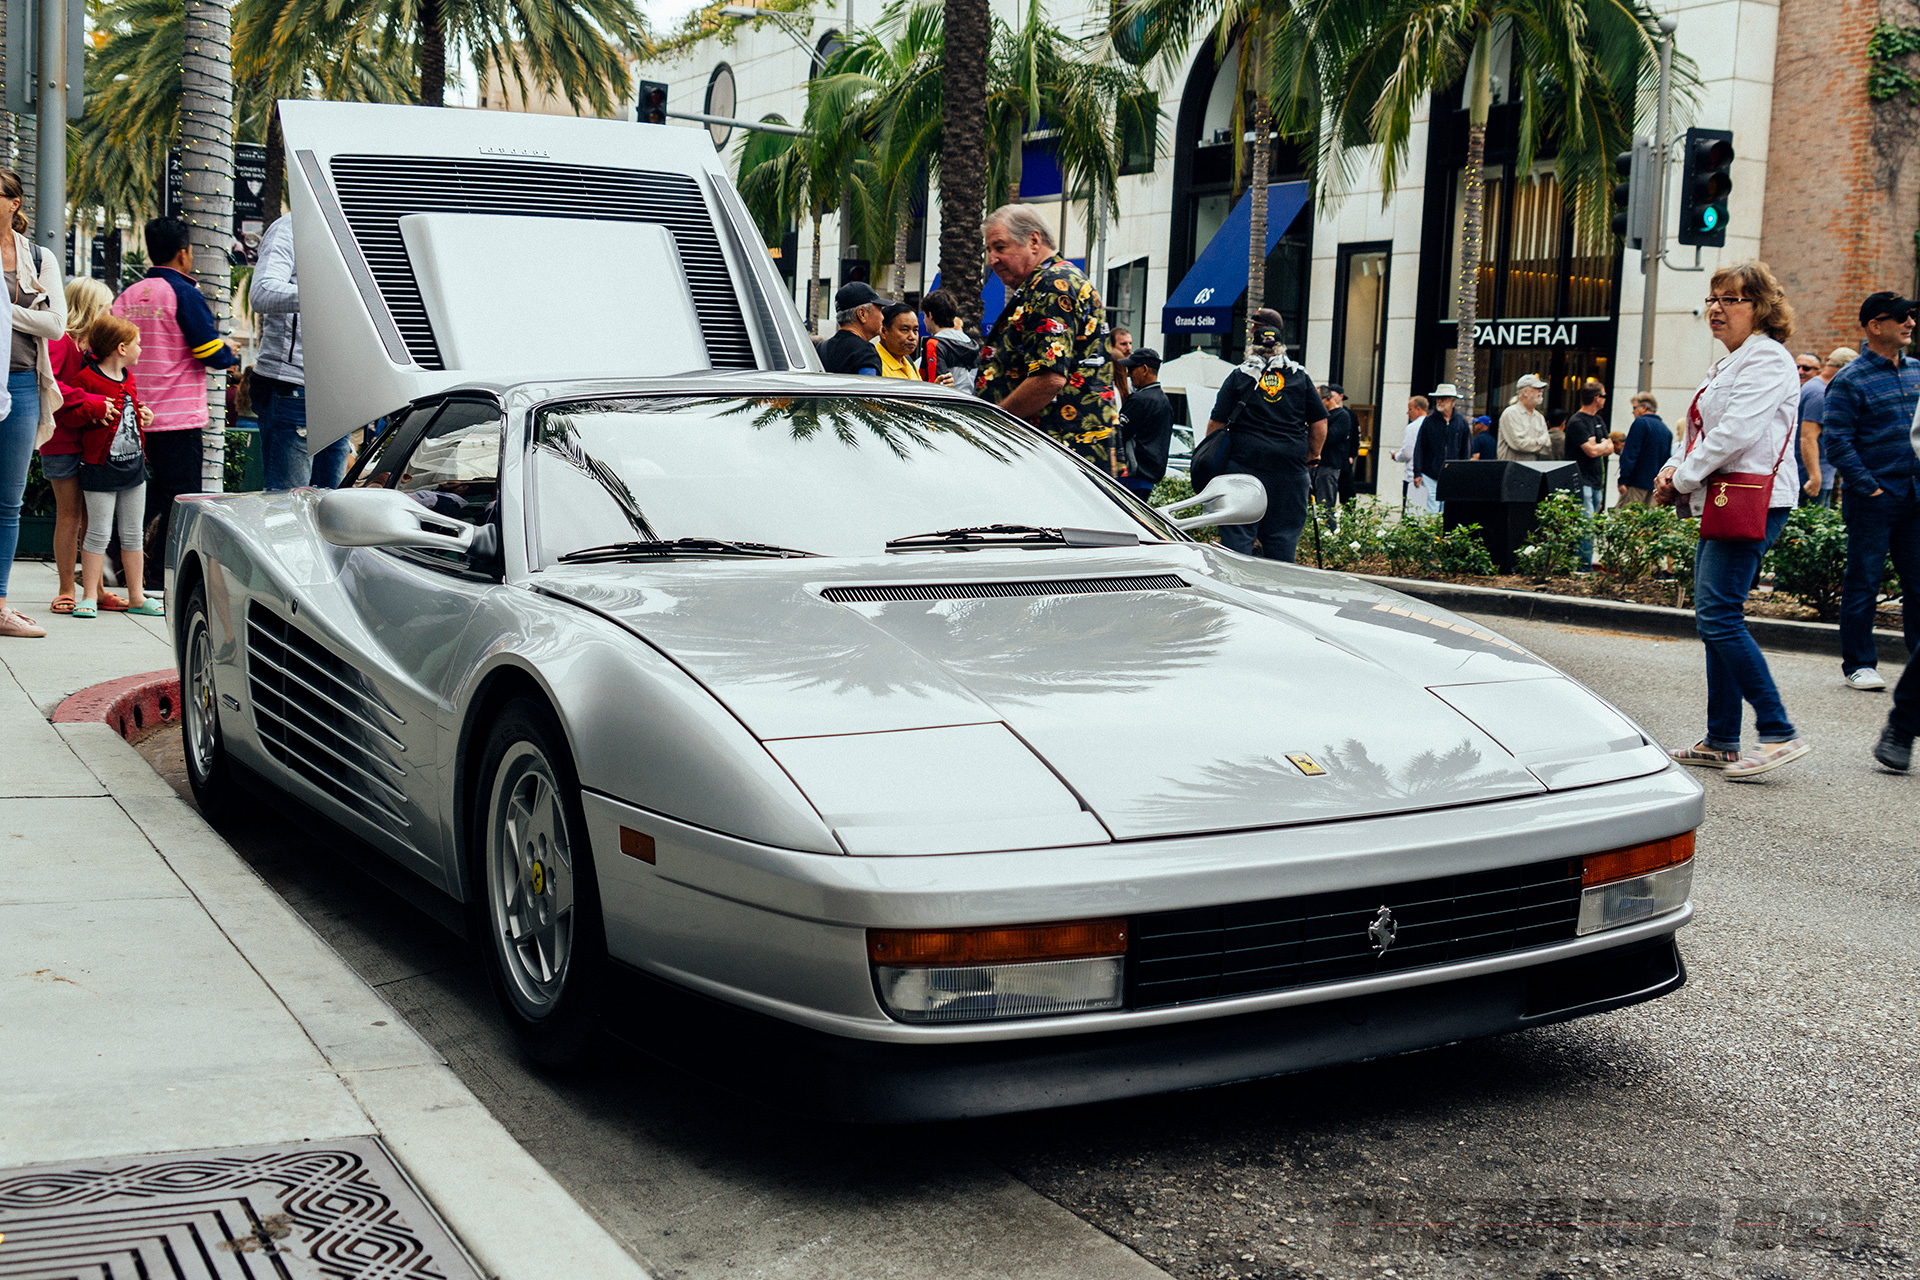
x: 834, y: 1077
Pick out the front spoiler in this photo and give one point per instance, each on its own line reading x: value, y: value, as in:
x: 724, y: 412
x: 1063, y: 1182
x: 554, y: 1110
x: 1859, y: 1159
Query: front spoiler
x: 832, y: 1077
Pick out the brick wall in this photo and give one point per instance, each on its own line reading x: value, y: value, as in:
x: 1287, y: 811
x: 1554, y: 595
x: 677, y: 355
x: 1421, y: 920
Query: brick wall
x: 1843, y: 173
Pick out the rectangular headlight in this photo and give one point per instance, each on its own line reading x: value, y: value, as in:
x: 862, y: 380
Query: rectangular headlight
x: 1015, y: 971
x: 979, y: 993
x: 1608, y: 906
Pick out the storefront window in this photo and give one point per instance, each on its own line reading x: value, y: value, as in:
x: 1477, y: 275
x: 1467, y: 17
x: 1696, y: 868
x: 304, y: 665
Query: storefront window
x: 1360, y: 338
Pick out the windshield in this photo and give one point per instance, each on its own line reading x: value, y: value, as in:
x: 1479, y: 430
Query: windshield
x: 827, y: 475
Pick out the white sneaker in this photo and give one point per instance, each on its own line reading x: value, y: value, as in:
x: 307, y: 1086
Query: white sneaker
x: 1865, y: 678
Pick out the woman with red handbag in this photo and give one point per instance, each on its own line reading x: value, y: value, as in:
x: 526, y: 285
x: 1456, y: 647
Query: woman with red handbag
x: 1726, y: 469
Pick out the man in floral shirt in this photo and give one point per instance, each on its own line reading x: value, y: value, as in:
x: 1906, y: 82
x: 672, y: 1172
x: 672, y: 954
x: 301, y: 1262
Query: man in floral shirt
x: 1045, y: 360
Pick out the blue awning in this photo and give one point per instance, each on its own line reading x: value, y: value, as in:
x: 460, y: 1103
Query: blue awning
x: 1204, y: 299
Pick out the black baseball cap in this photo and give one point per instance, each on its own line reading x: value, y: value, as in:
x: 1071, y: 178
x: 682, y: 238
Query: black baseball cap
x: 1879, y: 306
x: 857, y: 294
x: 1144, y: 358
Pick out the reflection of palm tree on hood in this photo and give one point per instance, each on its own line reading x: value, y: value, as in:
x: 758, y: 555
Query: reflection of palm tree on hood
x: 1019, y: 651
x: 1450, y: 776
x: 894, y: 423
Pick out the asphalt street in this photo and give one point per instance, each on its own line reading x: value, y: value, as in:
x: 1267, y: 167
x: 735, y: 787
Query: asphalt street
x: 1761, y: 1123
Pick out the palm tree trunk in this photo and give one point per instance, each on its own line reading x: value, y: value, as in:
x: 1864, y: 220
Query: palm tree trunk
x: 273, y: 187
x: 1472, y: 222
x: 206, y: 134
x: 1257, y: 233
x: 433, y: 54
x: 813, y: 283
x: 902, y: 225
x: 963, y: 151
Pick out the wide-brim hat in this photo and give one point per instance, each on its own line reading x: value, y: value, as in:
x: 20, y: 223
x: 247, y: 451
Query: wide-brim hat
x: 1446, y: 391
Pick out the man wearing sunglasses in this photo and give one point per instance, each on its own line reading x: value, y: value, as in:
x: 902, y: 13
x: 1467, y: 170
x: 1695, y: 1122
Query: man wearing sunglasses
x: 1868, y: 427
x: 1816, y: 473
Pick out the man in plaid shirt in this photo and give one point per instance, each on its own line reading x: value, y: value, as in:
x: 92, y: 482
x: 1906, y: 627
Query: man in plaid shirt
x: 1868, y: 430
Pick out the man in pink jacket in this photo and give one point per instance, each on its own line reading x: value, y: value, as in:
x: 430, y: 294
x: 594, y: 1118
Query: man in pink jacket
x: 179, y: 342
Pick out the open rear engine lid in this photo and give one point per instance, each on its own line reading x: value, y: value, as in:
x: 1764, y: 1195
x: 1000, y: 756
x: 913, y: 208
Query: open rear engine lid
x: 443, y: 246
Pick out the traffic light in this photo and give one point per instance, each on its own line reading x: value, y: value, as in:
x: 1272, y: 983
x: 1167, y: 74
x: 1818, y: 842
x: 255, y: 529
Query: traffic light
x: 653, y: 102
x: 1633, y: 199
x: 1706, y: 180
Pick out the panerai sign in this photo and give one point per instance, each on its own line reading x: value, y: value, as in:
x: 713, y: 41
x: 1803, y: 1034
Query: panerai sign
x: 1525, y: 333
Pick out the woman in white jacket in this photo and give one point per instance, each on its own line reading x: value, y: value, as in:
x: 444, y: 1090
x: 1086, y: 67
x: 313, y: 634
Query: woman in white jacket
x: 1741, y: 419
x: 39, y: 316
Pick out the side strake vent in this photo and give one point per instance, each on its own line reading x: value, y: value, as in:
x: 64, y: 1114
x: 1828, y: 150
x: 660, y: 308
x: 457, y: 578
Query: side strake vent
x: 988, y: 590
x: 315, y: 715
x: 377, y: 191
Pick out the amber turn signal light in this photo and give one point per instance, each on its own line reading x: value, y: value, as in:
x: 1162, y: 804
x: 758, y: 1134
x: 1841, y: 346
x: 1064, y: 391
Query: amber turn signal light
x: 1638, y: 860
x: 1071, y: 940
x: 636, y: 844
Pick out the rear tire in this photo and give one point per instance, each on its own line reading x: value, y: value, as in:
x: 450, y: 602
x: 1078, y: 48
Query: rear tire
x: 209, y: 770
x: 536, y: 908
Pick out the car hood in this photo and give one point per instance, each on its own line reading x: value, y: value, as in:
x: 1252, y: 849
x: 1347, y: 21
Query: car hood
x: 1174, y: 689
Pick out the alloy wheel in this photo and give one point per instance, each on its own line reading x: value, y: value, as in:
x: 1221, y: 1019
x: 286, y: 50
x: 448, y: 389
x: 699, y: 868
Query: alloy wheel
x: 530, y: 889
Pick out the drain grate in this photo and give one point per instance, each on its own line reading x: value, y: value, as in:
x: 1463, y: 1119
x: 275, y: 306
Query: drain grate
x: 340, y: 1209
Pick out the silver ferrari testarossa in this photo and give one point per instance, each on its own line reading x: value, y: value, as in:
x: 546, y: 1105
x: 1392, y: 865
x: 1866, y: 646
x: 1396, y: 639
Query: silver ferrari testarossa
x: 846, y: 739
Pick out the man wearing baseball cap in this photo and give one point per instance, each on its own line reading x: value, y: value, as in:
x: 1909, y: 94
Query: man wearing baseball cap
x: 1523, y: 428
x: 1146, y: 422
x: 1868, y: 431
x: 856, y: 309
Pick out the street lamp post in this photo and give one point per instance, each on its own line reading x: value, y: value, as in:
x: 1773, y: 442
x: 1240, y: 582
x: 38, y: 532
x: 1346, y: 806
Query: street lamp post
x: 1653, y: 249
x: 50, y: 160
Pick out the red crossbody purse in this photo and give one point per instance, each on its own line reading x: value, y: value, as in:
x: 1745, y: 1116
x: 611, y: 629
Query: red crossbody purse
x: 1734, y: 506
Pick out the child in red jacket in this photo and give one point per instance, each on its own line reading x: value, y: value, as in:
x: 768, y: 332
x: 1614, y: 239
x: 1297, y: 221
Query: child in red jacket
x: 113, y: 464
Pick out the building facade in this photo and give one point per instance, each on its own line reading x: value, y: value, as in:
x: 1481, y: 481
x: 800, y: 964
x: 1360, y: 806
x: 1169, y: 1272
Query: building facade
x: 1368, y: 280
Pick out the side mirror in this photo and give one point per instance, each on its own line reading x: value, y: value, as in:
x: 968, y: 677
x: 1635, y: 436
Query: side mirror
x: 1228, y: 499
x: 387, y: 518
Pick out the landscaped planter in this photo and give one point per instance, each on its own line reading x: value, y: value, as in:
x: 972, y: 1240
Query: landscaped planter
x: 36, y: 538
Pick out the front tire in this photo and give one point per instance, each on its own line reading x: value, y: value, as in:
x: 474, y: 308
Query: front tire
x: 209, y: 770
x: 537, y: 911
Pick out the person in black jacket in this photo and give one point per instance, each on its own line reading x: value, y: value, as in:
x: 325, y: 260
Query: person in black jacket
x: 1146, y: 423
x: 1333, y: 478
x: 1278, y: 426
x: 1444, y: 437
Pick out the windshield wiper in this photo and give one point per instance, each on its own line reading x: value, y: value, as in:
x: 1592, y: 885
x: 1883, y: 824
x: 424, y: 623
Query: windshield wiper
x: 1018, y: 533
x: 654, y: 549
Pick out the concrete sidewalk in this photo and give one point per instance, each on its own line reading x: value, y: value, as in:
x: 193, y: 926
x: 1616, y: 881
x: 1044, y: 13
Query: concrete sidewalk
x: 157, y: 996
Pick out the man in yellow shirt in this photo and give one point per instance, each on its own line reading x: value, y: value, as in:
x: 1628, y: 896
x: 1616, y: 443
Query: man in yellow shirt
x: 899, y: 335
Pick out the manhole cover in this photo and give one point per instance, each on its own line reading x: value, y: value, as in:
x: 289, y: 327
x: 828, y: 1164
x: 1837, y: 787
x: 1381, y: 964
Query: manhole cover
x: 340, y: 1209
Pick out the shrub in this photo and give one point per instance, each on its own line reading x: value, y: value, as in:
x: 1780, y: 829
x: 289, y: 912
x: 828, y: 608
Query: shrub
x: 1350, y: 534
x: 1638, y: 542
x: 1553, y: 549
x: 1462, y: 552
x: 1810, y: 559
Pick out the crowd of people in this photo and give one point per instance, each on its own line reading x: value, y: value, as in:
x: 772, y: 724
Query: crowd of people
x: 112, y: 394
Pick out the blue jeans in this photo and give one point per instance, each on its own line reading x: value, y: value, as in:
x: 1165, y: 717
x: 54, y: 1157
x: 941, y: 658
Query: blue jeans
x: 1876, y: 526
x: 1723, y: 574
x: 17, y: 430
x: 1593, y: 500
x: 283, y: 445
x: 1278, y: 531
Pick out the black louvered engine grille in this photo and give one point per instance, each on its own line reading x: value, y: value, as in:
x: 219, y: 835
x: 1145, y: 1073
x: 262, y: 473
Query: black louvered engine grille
x: 316, y: 716
x: 1213, y: 953
x: 989, y: 590
x: 377, y: 191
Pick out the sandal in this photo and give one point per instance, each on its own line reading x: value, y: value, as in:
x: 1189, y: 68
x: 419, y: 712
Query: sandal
x: 147, y: 608
x: 85, y: 609
x: 62, y: 603
x: 111, y: 603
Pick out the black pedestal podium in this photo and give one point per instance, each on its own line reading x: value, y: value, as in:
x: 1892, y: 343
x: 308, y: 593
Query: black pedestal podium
x: 1500, y: 497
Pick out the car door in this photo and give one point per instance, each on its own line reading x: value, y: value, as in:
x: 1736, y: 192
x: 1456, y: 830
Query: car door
x: 369, y: 665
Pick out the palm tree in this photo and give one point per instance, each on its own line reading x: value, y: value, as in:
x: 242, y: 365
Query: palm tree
x: 968, y: 41
x: 1583, y: 71
x: 206, y: 188
x: 1269, y: 75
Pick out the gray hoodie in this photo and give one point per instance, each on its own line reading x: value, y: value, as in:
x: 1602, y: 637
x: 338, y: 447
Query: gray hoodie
x: 276, y: 300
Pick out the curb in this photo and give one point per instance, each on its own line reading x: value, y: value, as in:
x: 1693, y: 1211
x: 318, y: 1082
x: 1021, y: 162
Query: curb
x: 1622, y: 615
x: 130, y: 705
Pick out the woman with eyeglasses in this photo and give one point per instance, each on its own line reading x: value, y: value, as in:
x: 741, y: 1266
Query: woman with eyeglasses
x: 1742, y: 420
